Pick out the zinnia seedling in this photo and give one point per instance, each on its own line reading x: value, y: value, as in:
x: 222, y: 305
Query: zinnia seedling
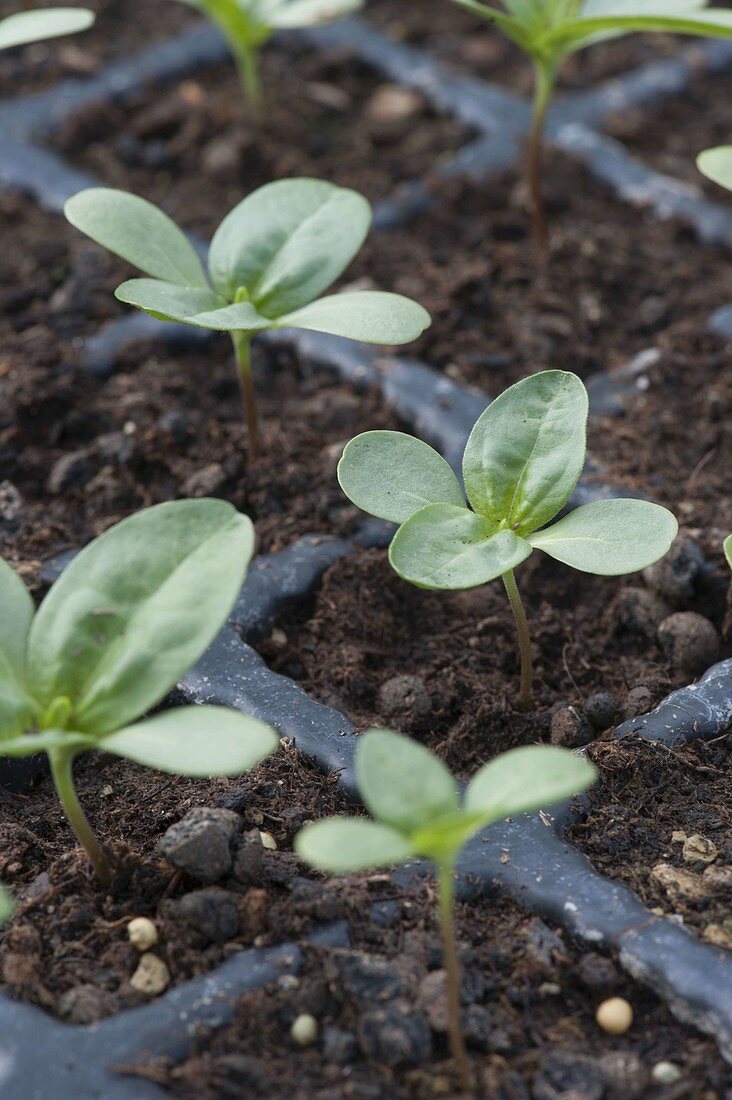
x: 248, y: 24
x: 716, y: 164
x: 269, y: 260
x: 127, y: 618
x: 550, y: 30
x: 523, y: 459
x: 419, y: 813
x: 33, y: 26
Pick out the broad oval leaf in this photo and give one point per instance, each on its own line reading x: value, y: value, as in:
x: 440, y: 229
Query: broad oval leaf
x: 30, y: 744
x: 15, y: 619
x: 6, y: 905
x: 197, y: 740
x: 534, y: 777
x: 442, y: 546
x: 716, y: 164
x: 191, y: 306
x: 392, y: 475
x: 610, y: 537
x: 137, y: 231
x: 401, y: 782
x: 136, y: 608
x: 287, y: 242
x: 526, y: 451
x: 340, y: 845
x: 372, y: 316
x: 309, y: 13
x: 33, y: 26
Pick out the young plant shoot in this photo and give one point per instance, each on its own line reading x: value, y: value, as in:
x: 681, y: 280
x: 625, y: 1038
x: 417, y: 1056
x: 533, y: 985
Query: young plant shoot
x: 6, y: 905
x: 269, y: 261
x: 727, y: 547
x: 419, y: 813
x: 521, y: 463
x: 34, y: 26
x: 550, y: 30
x: 716, y: 165
x: 126, y: 619
x: 247, y: 25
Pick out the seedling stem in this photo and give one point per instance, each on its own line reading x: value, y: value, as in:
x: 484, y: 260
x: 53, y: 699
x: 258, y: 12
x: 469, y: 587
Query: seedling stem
x: 526, y: 699
x: 248, y: 69
x: 243, y: 351
x: 62, y: 761
x: 446, y: 895
x: 545, y: 75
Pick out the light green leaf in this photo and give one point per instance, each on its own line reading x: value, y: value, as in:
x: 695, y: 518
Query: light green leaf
x: 6, y: 903
x: 709, y: 23
x: 168, y: 301
x: 339, y: 845
x: 136, y: 608
x: 33, y: 26
x: 28, y: 744
x: 727, y: 547
x: 308, y: 13
x: 610, y: 537
x: 716, y: 164
x: 372, y: 316
x: 514, y: 28
x: 442, y: 546
x: 442, y: 840
x: 401, y: 782
x: 198, y: 740
x: 535, y: 777
x: 526, y: 451
x: 15, y: 618
x: 137, y: 231
x: 287, y: 242
x: 392, y: 475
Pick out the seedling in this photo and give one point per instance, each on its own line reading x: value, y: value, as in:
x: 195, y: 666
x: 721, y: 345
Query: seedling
x: 521, y: 463
x: 247, y: 25
x: 727, y: 547
x: 6, y: 905
x: 33, y: 26
x: 548, y: 31
x: 418, y: 813
x: 269, y: 260
x: 716, y: 164
x: 126, y: 619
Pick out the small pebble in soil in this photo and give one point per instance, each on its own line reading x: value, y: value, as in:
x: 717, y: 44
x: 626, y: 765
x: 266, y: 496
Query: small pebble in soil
x: 666, y: 1073
x: 677, y: 883
x: 642, y: 611
x: 563, y: 1073
x: 142, y: 933
x: 639, y: 700
x: 689, y: 641
x: 396, y: 1034
x: 212, y: 911
x: 304, y: 1029
x: 201, y: 843
x: 152, y: 975
x: 615, y: 1016
x: 86, y: 1004
x: 698, y: 848
x: 627, y: 1077
x: 247, y: 867
x: 674, y: 576
x: 338, y: 1045
x: 405, y: 700
x: 360, y: 978
x: 596, y: 973
x: 570, y: 728
x: 601, y: 710
x: 268, y: 841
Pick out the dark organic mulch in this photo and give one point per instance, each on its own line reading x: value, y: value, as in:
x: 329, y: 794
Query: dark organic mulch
x: 196, y: 148
x: 691, y: 122
x: 649, y: 799
x: 68, y: 932
x: 458, y: 650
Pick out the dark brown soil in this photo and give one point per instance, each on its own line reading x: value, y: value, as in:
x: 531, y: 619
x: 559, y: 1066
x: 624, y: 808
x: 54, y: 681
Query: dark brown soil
x: 690, y: 123
x: 367, y: 626
x: 648, y: 800
x: 196, y: 148
x: 473, y: 47
x: 122, y: 28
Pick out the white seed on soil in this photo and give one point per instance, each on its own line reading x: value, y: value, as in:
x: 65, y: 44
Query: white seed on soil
x: 614, y: 1016
x: 152, y: 976
x: 142, y: 933
x: 665, y: 1073
x: 268, y: 841
x: 304, y: 1029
